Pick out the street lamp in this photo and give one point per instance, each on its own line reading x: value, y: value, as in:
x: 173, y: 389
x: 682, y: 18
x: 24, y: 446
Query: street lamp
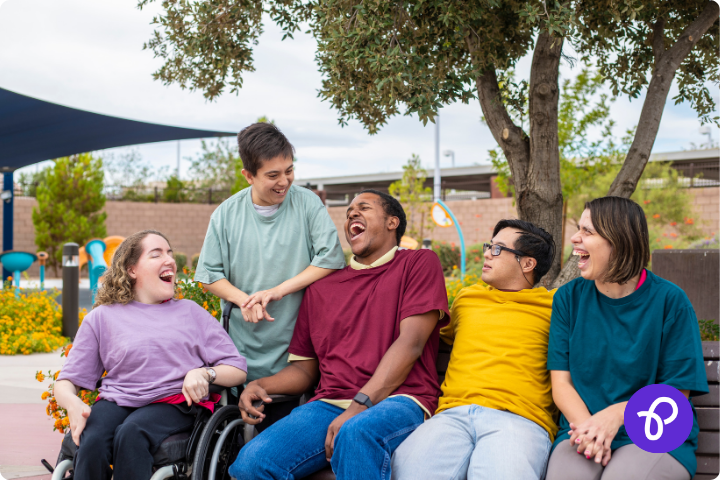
x: 450, y: 153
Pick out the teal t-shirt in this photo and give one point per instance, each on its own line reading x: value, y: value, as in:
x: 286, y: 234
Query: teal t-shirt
x: 614, y: 347
x: 255, y: 253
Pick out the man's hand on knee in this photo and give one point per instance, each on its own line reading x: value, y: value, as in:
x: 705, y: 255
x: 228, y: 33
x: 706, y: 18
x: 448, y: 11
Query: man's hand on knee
x: 337, y: 424
x: 253, y: 393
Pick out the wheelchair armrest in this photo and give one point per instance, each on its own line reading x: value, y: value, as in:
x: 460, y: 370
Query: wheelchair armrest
x: 215, y: 388
x: 227, y: 309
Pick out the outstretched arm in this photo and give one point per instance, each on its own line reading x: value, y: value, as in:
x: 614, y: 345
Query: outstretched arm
x: 308, y: 276
x: 393, y: 369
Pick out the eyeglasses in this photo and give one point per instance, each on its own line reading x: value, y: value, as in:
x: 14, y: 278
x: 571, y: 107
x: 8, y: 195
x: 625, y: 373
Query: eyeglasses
x: 495, y: 250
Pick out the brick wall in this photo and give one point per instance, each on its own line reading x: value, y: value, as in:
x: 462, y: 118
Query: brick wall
x: 185, y: 224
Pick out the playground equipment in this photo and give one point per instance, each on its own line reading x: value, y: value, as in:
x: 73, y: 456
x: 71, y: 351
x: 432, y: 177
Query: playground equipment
x: 95, y: 250
x: 408, y: 242
x: 111, y: 244
x: 17, y: 262
x: 443, y: 217
x: 42, y: 258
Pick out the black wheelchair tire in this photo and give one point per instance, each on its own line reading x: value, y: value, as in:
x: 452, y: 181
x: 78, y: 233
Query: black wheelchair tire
x: 203, y: 454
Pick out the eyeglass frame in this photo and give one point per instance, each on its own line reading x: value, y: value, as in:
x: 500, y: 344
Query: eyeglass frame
x: 499, y: 248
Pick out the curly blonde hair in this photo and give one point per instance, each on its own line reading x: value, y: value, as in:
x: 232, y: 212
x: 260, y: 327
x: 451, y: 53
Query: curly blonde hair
x: 117, y: 285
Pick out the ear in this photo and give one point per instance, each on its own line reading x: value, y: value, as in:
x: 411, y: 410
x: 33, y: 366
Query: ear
x: 393, y: 223
x: 131, y: 273
x: 248, y: 176
x: 528, y: 264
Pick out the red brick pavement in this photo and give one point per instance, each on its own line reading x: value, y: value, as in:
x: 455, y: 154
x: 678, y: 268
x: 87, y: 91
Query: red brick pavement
x: 26, y: 436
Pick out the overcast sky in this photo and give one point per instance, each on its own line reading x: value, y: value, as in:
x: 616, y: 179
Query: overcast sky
x: 88, y: 54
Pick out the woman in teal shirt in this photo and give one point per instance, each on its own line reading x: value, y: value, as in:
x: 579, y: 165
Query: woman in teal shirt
x: 614, y: 331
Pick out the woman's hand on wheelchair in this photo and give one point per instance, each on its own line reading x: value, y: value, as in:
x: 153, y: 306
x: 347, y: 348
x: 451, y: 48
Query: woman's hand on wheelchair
x: 78, y: 419
x: 196, y: 386
x: 253, y: 393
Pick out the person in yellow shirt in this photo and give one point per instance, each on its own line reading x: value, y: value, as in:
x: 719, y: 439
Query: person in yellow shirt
x: 495, y: 418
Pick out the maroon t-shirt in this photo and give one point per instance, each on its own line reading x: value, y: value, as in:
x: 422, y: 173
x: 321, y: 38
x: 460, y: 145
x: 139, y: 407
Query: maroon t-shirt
x: 349, y: 319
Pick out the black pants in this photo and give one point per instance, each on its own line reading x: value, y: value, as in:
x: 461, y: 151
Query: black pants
x: 126, y: 438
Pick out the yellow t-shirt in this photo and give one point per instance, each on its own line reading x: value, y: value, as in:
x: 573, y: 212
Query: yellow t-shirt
x: 499, y: 355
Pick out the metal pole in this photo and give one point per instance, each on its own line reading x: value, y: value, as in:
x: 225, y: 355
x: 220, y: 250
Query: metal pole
x: 8, y: 214
x: 70, y: 289
x: 436, y: 179
x: 178, y: 159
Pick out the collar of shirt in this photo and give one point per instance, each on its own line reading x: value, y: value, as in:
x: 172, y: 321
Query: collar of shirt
x: 355, y: 265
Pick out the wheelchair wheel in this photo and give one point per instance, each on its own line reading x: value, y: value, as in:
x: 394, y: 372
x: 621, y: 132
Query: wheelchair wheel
x: 221, y: 440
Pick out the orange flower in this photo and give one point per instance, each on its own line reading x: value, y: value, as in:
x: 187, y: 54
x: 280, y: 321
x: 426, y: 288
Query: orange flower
x: 40, y: 377
x: 56, y: 375
x: 689, y: 221
x: 477, y: 259
x: 65, y: 422
x: 673, y: 235
x: 646, y: 202
x: 657, y: 215
x: 213, y: 313
x: 672, y: 224
x: 664, y: 234
x: 45, y: 395
x: 668, y: 247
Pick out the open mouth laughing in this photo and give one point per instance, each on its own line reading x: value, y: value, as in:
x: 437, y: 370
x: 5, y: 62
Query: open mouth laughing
x: 167, y: 276
x: 356, y: 229
x: 584, y: 257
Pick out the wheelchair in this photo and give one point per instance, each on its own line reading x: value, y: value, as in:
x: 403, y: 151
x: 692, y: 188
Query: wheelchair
x: 203, y: 453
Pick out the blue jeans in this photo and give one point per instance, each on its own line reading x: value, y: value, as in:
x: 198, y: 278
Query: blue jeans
x: 476, y: 443
x: 294, y: 447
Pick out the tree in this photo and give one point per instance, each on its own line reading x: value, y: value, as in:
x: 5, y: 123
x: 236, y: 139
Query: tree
x: 69, y: 206
x: 378, y: 58
x: 414, y: 196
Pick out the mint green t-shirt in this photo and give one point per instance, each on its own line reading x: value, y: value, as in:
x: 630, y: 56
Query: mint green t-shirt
x: 255, y: 253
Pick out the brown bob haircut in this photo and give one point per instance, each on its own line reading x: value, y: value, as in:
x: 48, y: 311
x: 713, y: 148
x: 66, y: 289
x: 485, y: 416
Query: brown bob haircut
x: 262, y: 141
x: 622, y: 222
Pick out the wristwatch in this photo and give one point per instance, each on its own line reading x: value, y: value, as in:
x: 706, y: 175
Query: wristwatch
x: 211, y: 374
x: 363, y: 399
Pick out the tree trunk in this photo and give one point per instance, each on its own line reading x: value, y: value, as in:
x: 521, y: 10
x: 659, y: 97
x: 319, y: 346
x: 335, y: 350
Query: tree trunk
x: 667, y: 63
x: 534, y: 160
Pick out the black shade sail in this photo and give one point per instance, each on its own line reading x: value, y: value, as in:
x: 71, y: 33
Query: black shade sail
x: 33, y: 130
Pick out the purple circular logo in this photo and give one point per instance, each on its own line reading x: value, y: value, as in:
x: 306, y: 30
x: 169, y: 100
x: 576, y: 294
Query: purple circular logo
x: 658, y: 418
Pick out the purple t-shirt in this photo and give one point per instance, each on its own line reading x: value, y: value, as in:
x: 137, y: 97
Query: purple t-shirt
x: 146, y: 350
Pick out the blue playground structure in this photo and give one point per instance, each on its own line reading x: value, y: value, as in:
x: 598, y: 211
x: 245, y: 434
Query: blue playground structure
x: 17, y: 262
x: 96, y: 263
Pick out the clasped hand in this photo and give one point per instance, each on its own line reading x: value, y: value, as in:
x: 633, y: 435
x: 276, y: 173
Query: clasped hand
x: 594, y: 436
x: 254, y: 308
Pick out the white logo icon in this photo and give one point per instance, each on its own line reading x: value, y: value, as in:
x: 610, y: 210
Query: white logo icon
x: 651, y: 415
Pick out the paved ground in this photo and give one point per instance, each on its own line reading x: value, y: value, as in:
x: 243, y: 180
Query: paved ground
x: 26, y: 432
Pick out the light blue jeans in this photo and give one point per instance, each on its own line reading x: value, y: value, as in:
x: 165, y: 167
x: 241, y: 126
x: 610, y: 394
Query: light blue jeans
x: 294, y: 447
x: 476, y: 443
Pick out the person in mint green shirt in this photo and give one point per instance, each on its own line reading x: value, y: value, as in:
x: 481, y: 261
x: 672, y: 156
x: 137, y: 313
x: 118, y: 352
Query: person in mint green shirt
x: 263, y: 246
x: 613, y: 331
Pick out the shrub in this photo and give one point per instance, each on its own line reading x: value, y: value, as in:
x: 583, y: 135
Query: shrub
x: 195, y: 291
x: 709, y: 330
x: 29, y: 322
x: 195, y: 260
x: 449, y: 256
x: 180, y: 259
x: 453, y: 286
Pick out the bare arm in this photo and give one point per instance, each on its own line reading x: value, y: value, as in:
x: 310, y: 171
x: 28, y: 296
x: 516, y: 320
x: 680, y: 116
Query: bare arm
x: 230, y: 293
x: 392, y: 371
x: 295, y: 379
x: 229, y: 376
x: 308, y: 276
x: 566, y: 397
x: 66, y: 395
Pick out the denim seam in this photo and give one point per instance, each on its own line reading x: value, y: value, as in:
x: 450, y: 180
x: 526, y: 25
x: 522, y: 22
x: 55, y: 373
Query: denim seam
x: 303, y: 461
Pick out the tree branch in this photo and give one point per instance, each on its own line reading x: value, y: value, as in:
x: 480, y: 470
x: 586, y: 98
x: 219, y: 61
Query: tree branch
x: 658, y: 43
x: 649, y: 123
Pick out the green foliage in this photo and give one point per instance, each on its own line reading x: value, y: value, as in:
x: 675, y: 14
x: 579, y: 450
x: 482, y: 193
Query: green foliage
x: 709, y: 330
x: 174, y: 191
x: 379, y: 58
x: 195, y: 260
x: 69, y: 205
x: 663, y: 195
x: 449, y: 256
x: 454, y: 285
x: 189, y: 289
x: 414, y: 196
x: 217, y: 166
x: 180, y: 260
x: 348, y: 255
x: 29, y: 181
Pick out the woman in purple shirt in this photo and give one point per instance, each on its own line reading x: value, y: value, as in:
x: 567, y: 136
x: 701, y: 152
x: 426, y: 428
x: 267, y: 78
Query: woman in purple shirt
x: 156, y: 351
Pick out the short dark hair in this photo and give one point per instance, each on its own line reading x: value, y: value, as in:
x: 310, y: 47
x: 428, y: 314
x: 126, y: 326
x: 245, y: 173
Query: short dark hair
x: 622, y: 222
x: 262, y: 141
x: 392, y: 208
x: 534, y: 242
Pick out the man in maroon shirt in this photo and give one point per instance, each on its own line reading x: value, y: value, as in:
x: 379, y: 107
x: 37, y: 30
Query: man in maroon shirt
x: 369, y: 334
